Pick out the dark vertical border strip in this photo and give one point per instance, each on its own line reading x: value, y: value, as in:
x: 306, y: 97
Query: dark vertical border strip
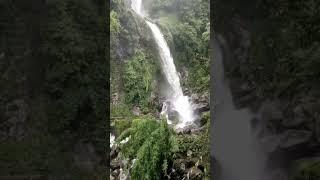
x: 212, y: 94
x: 107, y: 15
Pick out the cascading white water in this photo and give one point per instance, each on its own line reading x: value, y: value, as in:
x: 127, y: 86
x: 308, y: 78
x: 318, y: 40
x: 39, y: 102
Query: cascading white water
x: 112, y: 140
x: 180, y: 102
x: 234, y: 144
x: 136, y: 5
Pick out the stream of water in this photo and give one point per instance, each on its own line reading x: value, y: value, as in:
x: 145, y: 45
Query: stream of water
x: 180, y: 103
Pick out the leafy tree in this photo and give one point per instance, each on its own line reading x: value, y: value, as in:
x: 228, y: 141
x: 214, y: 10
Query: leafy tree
x: 152, y: 144
x: 154, y: 154
x: 138, y: 79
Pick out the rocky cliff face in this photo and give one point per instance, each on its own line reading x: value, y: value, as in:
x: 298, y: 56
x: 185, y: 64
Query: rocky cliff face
x: 287, y: 119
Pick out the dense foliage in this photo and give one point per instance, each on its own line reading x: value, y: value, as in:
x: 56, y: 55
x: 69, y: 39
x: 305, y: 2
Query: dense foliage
x: 134, y: 59
x: 148, y: 145
x: 151, y: 153
x: 284, y: 58
x: 54, y: 55
x: 188, y: 23
x: 138, y: 80
x: 199, y: 145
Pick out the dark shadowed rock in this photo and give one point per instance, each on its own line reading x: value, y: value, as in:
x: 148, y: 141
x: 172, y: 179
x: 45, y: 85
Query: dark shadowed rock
x: 115, y: 164
x: 201, y: 107
x: 292, y: 122
x: 115, y: 173
x: 198, y: 130
x: 195, y: 98
x: 297, y: 119
x: 270, y: 143
x: 114, y: 151
x: 187, y: 129
x: 285, y: 140
x: 271, y: 111
x: 294, y: 137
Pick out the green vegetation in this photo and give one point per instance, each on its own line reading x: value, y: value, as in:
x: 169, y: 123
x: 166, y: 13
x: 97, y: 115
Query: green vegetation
x: 199, y: 145
x: 135, y: 79
x: 134, y: 59
x: 189, y: 26
x: 152, y: 152
x: 138, y: 77
x: 284, y: 58
x: 53, y: 55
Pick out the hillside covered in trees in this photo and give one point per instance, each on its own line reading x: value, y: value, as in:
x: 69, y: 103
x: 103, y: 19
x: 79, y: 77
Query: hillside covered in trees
x: 145, y: 146
x: 53, y: 69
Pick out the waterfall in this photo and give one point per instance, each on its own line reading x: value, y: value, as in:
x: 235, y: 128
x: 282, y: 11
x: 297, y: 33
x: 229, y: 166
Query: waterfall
x: 180, y: 103
x: 234, y: 144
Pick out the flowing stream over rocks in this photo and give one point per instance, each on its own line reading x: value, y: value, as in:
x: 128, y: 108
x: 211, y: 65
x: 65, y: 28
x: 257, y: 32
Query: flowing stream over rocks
x: 234, y: 145
x: 176, y: 101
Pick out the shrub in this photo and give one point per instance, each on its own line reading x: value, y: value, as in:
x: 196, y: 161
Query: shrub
x: 152, y: 144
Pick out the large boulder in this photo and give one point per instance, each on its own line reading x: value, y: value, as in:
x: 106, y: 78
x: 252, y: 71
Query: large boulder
x: 201, y: 107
